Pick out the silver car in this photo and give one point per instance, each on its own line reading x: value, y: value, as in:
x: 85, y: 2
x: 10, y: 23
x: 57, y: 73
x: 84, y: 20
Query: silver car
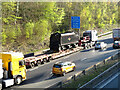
x: 100, y: 45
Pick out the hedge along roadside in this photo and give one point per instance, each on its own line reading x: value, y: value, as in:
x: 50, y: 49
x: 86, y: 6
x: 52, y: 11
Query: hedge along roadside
x: 82, y: 77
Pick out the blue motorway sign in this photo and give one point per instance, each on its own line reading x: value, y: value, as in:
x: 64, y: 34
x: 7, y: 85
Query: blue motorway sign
x: 75, y: 22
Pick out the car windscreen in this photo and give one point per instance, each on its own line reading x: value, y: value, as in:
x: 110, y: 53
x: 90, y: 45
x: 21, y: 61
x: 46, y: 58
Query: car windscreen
x: 98, y: 44
x: 57, y: 66
x: 116, y: 43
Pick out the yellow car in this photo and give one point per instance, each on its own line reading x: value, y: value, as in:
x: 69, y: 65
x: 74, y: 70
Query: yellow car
x: 63, y: 67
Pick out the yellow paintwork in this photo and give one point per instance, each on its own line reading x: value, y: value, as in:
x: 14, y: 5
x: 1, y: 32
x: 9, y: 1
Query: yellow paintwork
x: 16, y: 69
x: 64, y: 69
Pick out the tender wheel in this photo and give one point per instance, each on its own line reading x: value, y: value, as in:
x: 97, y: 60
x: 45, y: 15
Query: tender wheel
x: 18, y: 80
x: 32, y: 65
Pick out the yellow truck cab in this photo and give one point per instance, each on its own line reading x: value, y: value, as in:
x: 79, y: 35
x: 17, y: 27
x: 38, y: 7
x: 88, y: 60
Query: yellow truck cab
x: 14, y: 70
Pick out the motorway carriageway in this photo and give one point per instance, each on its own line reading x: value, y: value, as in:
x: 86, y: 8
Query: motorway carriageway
x: 41, y: 76
x: 111, y: 82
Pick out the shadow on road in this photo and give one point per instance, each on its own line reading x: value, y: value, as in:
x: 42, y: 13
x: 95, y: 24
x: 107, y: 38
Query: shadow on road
x: 32, y: 80
x: 87, y: 50
x: 53, y: 77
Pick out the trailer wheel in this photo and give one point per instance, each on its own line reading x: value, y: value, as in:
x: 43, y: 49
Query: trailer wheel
x: 48, y: 60
x: 18, y: 80
x: 42, y: 62
x: 32, y: 65
x: 39, y: 62
x: 36, y: 64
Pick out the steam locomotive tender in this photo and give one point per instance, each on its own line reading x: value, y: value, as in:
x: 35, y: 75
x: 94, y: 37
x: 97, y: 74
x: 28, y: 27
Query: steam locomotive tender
x: 60, y: 41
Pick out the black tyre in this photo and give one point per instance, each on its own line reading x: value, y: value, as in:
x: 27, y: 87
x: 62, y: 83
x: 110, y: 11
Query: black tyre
x: 39, y: 62
x: 73, y: 68
x: 36, y: 64
x: 18, y: 80
x: 48, y: 60
x: 45, y: 60
x: 42, y: 62
x: 54, y: 74
x: 32, y: 65
x: 95, y: 48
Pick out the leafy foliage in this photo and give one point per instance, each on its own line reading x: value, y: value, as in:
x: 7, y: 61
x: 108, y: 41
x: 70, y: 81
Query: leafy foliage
x: 31, y: 23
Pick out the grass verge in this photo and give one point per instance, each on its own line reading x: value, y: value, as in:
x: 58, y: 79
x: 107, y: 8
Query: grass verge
x: 92, y: 73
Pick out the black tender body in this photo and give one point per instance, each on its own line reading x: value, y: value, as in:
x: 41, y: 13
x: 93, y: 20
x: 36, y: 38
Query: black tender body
x: 57, y: 40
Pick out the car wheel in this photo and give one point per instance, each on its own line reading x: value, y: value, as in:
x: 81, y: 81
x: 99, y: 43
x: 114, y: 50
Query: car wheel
x: 73, y: 68
x: 63, y: 73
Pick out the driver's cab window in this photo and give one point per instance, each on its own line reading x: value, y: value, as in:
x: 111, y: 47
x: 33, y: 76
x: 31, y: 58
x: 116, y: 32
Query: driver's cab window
x: 21, y: 63
x: 69, y: 64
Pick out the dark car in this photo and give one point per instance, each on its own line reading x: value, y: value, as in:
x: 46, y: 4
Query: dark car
x: 116, y: 44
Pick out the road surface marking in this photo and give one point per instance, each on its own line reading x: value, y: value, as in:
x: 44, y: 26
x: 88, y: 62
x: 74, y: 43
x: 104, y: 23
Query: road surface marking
x: 66, y: 57
x: 83, y: 59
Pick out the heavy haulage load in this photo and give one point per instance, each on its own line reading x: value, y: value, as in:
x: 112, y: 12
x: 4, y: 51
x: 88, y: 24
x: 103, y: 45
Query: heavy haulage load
x: 61, y: 44
x: 14, y: 63
x: 60, y: 41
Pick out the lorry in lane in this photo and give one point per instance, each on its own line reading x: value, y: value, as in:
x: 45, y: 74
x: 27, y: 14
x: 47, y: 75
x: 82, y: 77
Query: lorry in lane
x: 89, y: 39
x: 14, y: 70
x: 61, y: 45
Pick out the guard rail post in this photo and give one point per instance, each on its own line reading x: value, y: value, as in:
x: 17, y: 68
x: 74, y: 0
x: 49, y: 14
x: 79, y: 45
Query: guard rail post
x: 60, y: 84
x: 104, y: 61
x: 74, y: 77
x: 95, y: 67
x: 111, y: 57
x: 83, y: 72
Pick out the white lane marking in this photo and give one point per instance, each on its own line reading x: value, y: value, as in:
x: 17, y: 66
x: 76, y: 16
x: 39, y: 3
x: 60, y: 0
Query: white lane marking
x: 109, y: 80
x: 32, y: 69
x: 83, y: 59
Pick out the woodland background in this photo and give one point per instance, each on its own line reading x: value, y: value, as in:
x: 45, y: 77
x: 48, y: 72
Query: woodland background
x: 27, y: 26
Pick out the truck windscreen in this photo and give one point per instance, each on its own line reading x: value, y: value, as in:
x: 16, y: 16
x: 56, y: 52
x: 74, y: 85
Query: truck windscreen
x: 21, y: 62
x: 86, y: 34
